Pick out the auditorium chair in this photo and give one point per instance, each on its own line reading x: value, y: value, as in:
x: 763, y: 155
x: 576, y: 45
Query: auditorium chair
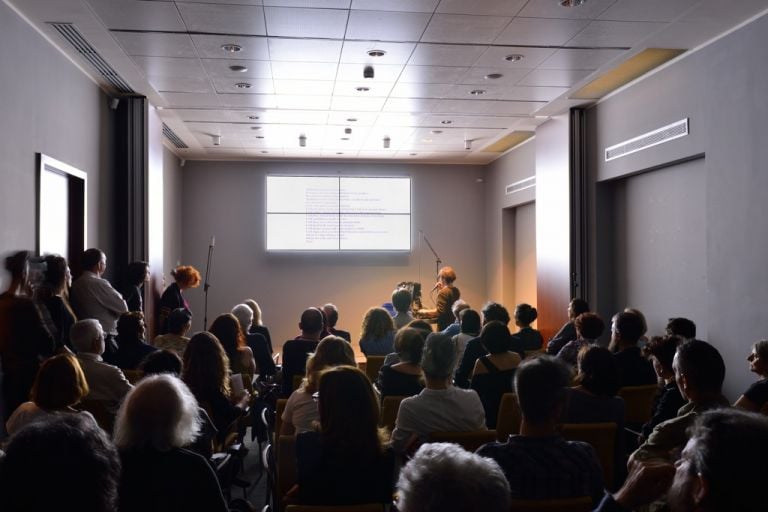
x: 508, y: 422
x: 533, y: 353
x: 469, y: 440
x: 638, y: 403
x: 602, y: 437
x: 102, y: 411
x: 279, y: 409
x: 389, y: 407
x: 372, y: 366
x: 367, y: 507
x: 286, y: 468
x: 580, y: 504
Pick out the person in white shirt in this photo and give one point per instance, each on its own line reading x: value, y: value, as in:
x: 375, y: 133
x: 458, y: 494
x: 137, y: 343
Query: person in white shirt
x: 93, y: 297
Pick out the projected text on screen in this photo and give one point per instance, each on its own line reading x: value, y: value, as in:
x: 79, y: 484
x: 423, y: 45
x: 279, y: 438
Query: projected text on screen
x: 330, y: 213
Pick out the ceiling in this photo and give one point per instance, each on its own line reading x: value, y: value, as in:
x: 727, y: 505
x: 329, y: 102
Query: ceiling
x: 434, y: 88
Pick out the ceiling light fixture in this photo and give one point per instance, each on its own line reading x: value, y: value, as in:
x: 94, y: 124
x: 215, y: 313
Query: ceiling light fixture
x: 345, y: 138
x: 265, y: 152
x: 413, y: 154
x: 376, y: 53
x: 477, y: 92
x: 368, y: 72
x: 386, y: 141
x: 362, y: 89
x: 571, y: 3
x: 231, y: 48
x: 515, y: 57
x: 259, y: 136
x: 351, y: 119
x: 347, y: 130
x: 217, y: 140
x: 468, y: 144
x: 253, y: 117
x: 446, y: 121
x: 238, y: 68
x: 436, y: 132
x: 243, y: 85
x: 493, y: 76
x: 255, y: 127
x: 339, y: 153
x: 302, y: 140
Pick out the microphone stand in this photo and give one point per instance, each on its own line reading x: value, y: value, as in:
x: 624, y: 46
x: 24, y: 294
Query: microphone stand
x: 207, y: 284
x: 438, y: 261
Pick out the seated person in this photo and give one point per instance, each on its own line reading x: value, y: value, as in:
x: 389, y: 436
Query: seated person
x: 131, y: 347
x: 345, y: 462
x: 157, y: 419
x: 661, y: 351
x: 568, y: 331
x: 470, y: 329
x: 444, y: 476
x: 265, y: 365
x: 682, y: 328
x: 295, y: 351
x: 634, y: 369
x: 401, y: 301
x: 589, y: 327
x: 378, y: 333
x: 65, y: 462
x: 179, y: 324
x: 300, y: 414
x: 257, y: 325
x: 493, y: 373
x: 528, y: 337
x: 331, y: 313
x: 539, y: 464
x: 420, y: 325
x: 440, y: 407
x: 454, y: 328
x: 756, y: 396
x: 404, y: 378
x: 230, y: 334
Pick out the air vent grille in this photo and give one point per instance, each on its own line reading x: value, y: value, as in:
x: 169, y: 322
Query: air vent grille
x: 73, y: 36
x: 521, y: 185
x: 647, y: 140
x: 175, y: 139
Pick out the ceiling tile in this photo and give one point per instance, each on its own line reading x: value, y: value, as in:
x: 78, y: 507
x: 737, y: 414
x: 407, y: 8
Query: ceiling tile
x: 410, y: 105
x: 304, y: 70
x: 304, y: 102
x: 291, y: 22
x: 221, y: 68
x: 540, y: 32
x: 257, y: 86
x: 382, y: 72
x: 363, y: 104
x: 180, y: 84
x: 396, y: 5
x: 238, y: 2
x: 304, y: 50
x: 431, y: 74
x: 477, y: 76
x: 209, y: 46
x: 138, y: 15
x: 532, y: 93
x: 321, y: 4
x: 294, y: 116
x: 357, y: 52
x: 614, y: 33
x: 343, y: 118
x: 156, y: 44
x: 579, y: 59
x: 487, y: 107
x: 376, y: 155
x: 414, y: 90
x: 168, y: 66
x: 552, y: 9
x: 498, y: 122
x: 460, y: 28
x: 647, y: 10
x: 201, y: 115
x: 386, y: 26
x: 375, y: 89
x: 494, y: 57
x: 304, y: 87
x: 223, y: 19
x: 446, y: 55
x: 190, y: 100
x: 482, y: 7
x: 554, y: 77
x: 389, y: 120
x: 248, y: 100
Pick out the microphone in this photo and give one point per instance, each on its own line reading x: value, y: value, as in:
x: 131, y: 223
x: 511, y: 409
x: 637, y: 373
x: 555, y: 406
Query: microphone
x: 213, y: 241
x: 437, y: 285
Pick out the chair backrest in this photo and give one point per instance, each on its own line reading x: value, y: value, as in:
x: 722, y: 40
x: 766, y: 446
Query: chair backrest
x: 286, y: 467
x: 602, y: 437
x: 580, y: 504
x: 372, y: 366
x: 389, y: 407
x: 279, y: 409
x: 270, y: 470
x: 508, y: 422
x: 102, y: 411
x: 367, y: 507
x: 133, y: 376
x: 638, y: 403
x: 533, y: 353
x: 470, y: 441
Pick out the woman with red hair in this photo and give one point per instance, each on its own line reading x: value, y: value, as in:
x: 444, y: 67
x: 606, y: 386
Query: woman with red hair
x: 185, y: 276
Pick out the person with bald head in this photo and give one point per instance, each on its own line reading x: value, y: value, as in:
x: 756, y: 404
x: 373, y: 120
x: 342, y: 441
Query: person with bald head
x: 295, y: 351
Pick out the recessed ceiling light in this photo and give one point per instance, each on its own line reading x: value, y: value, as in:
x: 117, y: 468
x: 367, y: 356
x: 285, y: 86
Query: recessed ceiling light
x: 477, y: 92
x: 446, y: 121
x: 362, y: 89
x: 571, y: 3
x: 238, y: 68
x: 231, y: 48
x: 414, y: 154
x: 436, y: 132
x: 376, y: 53
x: 259, y: 136
x: 515, y: 57
x: 255, y: 127
x: 243, y: 85
x: 265, y: 152
x: 351, y: 119
x: 253, y: 117
x: 345, y: 138
x: 339, y: 153
x: 493, y: 76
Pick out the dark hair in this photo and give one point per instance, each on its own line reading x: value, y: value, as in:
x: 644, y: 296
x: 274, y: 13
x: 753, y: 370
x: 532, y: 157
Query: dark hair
x: 495, y: 311
x: 730, y: 453
x: 641, y: 316
x: 59, y: 383
x: 663, y: 348
x: 401, y: 299
x: 579, y: 306
x: 228, y: 331
x: 129, y: 327
x: 55, y: 271
x: 598, y: 371
x: 761, y: 349
x: 470, y: 321
x: 629, y: 327
x: 72, y: 455
x: 526, y: 314
x: 178, y: 318
x: 702, y: 365
x: 91, y: 258
x: 409, y: 345
x: 135, y: 272
x: 16, y: 263
x: 540, y: 386
x: 161, y: 361
x: 681, y: 327
x: 495, y: 337
x: 421, y: 325
x: 377, y: 323
x: 589, y: 325
x: 311, y: 321
x: 206, y: 366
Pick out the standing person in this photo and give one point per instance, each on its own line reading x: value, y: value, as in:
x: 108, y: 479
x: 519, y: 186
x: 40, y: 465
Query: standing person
x: 257, y: 324
x: 185, y: 277
x: 93, y: 297
x: 445, y: 298
x: 136, y: 275
x: 378, y: 336
x: 52, y: 300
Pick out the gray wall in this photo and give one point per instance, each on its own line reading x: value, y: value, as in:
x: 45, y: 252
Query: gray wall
x: 226, y: 199
x: 721, y: 88
x: 172, y: 201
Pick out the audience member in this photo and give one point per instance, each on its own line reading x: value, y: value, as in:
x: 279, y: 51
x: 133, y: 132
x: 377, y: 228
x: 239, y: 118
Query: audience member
x: 105, y: 382
x: 643, y: 339
x: 131, y: 347
x: 589, y: 327
x: 63, y: 463
x: 440, y: 407
x: 528, y: 337
x: 295, y: 351
x: 51, y: 296
x: 401, y: 301
x: 17, y: 265
x: 756, y: 396
x: 681, y: 327
x: 184, y: 277
x: 257, y: 324
x: 157, y: 419
x: 404, y: 378
x: 538, y: 463
x: 331, y: 313
x: 444, y: 476
x: 136, y: 274
x: 634, y: 369
x: 699, y: 372
x: 493, y: 373
x: 568, y: 331
x: 227, y: 330
x: 447, y: 295
x: 661, y: 351
x: 346, y: 461
x: 161, y: 361
x: 378, y: 333
x: 301, y: 414
x: 256, y: 342
x: 722, y: 469
x: 456, y: 309
x: 179, y: 324
x: 93, y: 297
x: 422, y: 326
x: 59, y: 386
x: 470, y: 329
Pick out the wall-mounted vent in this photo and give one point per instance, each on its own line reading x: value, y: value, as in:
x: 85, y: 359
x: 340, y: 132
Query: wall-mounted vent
x: 521, y: 185
x: 664, y: 134
x: 73, y: 36
x: 175, y: 139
